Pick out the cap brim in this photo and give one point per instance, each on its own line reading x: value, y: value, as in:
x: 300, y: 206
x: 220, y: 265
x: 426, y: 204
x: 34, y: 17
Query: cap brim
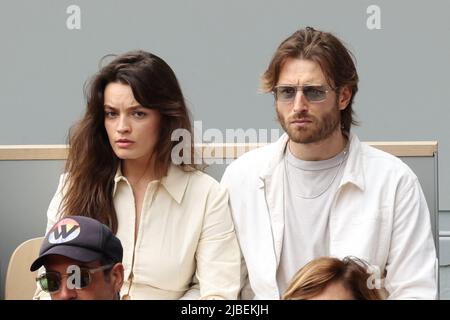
x: 71, y: 252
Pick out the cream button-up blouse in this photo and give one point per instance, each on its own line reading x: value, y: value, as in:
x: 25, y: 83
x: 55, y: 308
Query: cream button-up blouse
x: 186, y: 245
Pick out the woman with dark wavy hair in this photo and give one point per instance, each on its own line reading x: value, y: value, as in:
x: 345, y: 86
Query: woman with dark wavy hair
x: 173, y: 220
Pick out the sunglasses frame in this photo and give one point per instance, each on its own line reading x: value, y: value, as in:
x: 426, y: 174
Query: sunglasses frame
x: 60, y: 276
x: 301, y: 88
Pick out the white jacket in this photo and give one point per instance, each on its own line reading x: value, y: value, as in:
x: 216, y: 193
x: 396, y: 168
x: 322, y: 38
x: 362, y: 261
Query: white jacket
x: 379, y: 214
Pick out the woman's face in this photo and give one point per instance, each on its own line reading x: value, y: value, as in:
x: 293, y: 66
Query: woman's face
x: 133, y: 130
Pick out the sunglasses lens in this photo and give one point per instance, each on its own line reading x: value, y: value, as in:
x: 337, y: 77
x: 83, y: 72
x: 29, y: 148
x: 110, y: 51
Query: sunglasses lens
x: 49, y: 282
x: 314, y: 93
x: 85, y: 278
x: 285, y: 93
x: 311, y: 93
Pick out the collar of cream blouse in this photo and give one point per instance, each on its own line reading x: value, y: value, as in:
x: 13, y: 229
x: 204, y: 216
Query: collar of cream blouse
x: 175, y: 182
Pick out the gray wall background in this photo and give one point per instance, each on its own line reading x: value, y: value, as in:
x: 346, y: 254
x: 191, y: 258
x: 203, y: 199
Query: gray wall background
x: 218, y: 49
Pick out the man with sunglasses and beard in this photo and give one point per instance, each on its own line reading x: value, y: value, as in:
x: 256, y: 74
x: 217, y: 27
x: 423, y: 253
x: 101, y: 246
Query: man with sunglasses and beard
x: 318, y: 191
x: 82, y: 260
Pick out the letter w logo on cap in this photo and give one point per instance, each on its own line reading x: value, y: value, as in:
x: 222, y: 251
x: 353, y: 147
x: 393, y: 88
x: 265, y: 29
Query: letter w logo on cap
x: 66, y: 230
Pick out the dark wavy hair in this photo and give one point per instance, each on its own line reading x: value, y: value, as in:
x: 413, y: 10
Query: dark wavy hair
x: 92, y: 163
x: 335, y: 60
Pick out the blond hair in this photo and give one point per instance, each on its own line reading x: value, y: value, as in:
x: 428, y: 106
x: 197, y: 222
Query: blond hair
x: 315, y: 276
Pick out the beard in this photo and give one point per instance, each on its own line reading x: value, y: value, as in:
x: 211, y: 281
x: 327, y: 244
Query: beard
x: 319, y: 128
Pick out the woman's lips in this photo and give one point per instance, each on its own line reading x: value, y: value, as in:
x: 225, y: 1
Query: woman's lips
x: 124, y: 143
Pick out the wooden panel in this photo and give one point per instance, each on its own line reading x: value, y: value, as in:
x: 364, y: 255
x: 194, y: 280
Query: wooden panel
x: 214, y: 151
x: 33, y: 152
x: 407, y: 148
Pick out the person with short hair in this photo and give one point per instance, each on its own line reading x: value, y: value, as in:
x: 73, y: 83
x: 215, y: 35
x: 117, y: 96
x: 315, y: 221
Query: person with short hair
x: 328, y: 278
x: 82, y: 260
x: 319, y: 191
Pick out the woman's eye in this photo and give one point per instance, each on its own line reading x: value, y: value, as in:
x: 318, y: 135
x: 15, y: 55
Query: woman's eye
x: 110, y: 114
x: 139, y: 114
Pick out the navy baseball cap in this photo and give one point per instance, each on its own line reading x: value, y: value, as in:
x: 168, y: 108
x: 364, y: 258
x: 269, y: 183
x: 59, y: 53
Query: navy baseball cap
x: 80, y: 238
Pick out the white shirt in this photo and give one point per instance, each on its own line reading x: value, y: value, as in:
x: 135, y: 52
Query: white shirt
x: 378, y: 214
x: 310, y: 186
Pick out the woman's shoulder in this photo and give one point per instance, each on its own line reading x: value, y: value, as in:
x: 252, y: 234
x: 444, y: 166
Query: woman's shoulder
x: 63, y: 177
x: 201, y: 177
x: 203, y: 186
x: 200, y: 180
x: 61, y: 182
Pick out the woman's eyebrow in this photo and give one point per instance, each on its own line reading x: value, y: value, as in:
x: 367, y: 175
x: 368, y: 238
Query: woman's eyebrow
x: 133, y: 107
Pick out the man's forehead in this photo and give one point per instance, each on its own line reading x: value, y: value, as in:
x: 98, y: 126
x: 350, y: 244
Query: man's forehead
x: 301, y: 71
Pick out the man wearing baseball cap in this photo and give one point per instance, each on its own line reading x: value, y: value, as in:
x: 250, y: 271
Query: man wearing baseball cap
x: 82, y: 260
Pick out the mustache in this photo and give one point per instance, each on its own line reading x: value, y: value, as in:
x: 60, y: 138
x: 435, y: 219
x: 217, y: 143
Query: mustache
x: 302, y: 115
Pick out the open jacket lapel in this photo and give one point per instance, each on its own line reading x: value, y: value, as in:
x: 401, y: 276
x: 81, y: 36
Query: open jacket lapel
x: 272, y: 182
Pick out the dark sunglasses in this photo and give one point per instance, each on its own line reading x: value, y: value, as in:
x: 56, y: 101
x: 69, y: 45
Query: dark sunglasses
x: 51, y: 281
x: 312, y: 93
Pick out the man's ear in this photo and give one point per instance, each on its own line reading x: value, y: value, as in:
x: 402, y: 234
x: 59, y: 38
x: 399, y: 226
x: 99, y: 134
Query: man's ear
x: 117, y: 276
x: 345, y: 94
